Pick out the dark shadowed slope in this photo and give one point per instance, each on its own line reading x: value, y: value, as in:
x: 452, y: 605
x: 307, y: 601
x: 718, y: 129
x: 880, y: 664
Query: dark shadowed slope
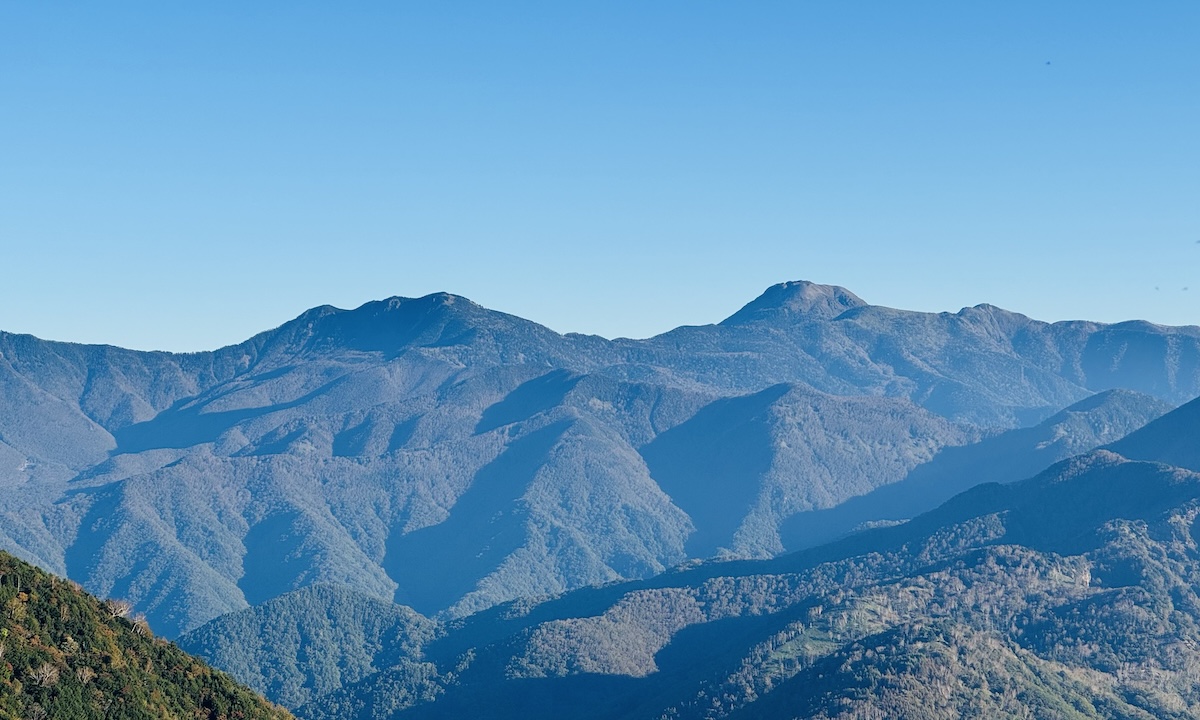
x: 1009, y: 456
x: 1173, y: 439
x: 743, y: 465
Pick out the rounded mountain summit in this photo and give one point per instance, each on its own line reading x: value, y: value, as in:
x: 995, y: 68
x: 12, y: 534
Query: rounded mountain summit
x: 799, y: 299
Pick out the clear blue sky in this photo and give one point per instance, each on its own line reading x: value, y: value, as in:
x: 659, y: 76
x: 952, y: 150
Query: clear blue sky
x: 182, y: 175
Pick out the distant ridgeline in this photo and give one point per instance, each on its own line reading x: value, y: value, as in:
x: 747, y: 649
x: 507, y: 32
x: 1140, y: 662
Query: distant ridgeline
x: 64, y: 655
x: 436, y: 454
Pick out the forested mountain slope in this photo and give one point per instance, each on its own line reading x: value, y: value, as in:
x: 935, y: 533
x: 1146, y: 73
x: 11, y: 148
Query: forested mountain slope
x: 1072, y: 594
x: 64, y: 655
x: 451, y: 457
x: 1009, y: 456
x: 311, y: 641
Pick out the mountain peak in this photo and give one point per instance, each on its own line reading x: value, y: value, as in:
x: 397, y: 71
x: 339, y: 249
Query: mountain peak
x: 387, y: 324
x: 798, y: 298
x: 394, y: 324
x: 438, y: 299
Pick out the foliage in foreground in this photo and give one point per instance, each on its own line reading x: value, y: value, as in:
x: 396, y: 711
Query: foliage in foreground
x: 65, y: 655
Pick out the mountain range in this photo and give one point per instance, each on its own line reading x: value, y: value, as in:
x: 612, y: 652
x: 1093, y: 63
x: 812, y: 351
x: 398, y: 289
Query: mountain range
x: 326, y: 450
x: 452, y: 459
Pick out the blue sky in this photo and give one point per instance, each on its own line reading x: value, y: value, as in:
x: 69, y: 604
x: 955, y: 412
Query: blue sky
x: 180, y: 176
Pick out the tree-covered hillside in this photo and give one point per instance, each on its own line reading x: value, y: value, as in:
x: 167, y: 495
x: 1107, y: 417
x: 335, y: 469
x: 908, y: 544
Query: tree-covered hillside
x: 314, y: 641
x: 1074, y: 594
x: 311, y: 641
x: 65, y: 655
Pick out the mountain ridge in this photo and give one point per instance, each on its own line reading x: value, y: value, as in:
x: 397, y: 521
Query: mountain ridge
x: 797, y: 299
x: 316, y: 452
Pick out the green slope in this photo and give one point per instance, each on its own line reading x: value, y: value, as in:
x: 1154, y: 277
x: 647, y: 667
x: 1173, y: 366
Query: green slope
x: 64, y: 655
x: 310, y: 641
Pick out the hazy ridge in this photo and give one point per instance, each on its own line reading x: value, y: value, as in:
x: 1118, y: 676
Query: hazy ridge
x: 324, y: 451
